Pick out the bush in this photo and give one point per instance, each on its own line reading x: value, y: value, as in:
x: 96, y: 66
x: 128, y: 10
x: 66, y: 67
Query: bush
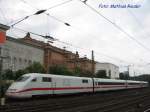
x: 20, y: 73
x: 101, y: 74
x: 59, y: 70
x: 36, y: 67
x: 8, y: 75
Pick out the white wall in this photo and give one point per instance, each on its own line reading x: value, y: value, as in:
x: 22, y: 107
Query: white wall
x: 108, y: 67
x: 20, y: 55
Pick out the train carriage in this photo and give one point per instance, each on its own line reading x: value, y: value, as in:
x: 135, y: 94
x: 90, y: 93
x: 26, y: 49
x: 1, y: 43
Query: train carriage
x: 36, y: 84
x: 108, y: 84
x: 133, y: 84
x: 47, y: 84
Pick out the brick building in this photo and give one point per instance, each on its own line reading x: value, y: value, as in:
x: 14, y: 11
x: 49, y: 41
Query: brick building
x: 22, y: 52
x: 56, y: 56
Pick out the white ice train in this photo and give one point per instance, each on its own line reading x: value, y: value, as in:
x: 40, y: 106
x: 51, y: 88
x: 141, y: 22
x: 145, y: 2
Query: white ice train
x: 33, y: 84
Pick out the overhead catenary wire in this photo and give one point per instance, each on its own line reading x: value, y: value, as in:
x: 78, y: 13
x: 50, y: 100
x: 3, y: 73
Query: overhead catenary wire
x: 72, y: 45
x: 137, y: 19
x: 78, y: 47
x: 59, y: 20
x: 43, y: 11
x: 44, y: 36
x: 138, y: 22
x: 117, y: 26
x: 4, y: 16
x: 40, y: 35
x: 57, y: 5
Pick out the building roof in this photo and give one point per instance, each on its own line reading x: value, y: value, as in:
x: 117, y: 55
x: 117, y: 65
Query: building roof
x: 4, y: 27
x: 106, y: 63
x: 30, y: 40
x: 27, y: 40
x: 21, y: 42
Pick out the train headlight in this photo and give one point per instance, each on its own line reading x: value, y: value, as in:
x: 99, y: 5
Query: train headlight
x: 11, y: 90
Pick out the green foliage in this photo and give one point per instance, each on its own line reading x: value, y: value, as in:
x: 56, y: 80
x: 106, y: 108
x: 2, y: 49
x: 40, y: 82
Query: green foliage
x: 101, y: 74
x: 19, y: 73
x: 144, y: 77
x: 77, y: 71
x: 86, y: 74
x: 36, y: 67
x: 8, y: 74
x: 59, y: 70
x: 124, y: 76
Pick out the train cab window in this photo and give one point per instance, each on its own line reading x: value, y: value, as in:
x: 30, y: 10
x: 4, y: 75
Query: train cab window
x: 84, y: 81
x: 22, y: 79
x: 46, y: 79
x: 34, y: 80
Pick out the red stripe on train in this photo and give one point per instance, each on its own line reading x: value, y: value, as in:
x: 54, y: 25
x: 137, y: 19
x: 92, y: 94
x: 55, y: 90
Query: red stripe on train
x: 69, y: 88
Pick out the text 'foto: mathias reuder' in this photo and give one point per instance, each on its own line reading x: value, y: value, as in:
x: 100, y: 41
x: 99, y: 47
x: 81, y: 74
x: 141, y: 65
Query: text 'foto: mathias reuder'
x: 119, y: 5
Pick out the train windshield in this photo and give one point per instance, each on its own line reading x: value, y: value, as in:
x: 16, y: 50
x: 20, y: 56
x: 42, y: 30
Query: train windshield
x: 22, y: 79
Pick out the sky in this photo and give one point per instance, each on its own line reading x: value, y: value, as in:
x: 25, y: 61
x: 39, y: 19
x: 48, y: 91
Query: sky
x: 88, y: 30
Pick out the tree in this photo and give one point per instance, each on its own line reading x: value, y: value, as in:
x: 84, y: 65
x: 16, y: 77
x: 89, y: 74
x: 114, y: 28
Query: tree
x: 20, y: 73
x: 77, y: 71
x: 101, y: 74
x: 59, y: 70
x: 86, y: 73
x: 8, y: 75
x: 124, y: 75
x: 36, y: 67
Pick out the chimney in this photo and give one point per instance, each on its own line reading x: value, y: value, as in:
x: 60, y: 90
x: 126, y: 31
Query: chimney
x: 77, y: 54
x: 27, y: 36
x: 3, y: 29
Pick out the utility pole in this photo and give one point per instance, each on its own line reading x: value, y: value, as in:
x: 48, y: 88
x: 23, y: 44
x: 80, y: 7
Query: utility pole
x: 128, y: 69
x: 93, y: 63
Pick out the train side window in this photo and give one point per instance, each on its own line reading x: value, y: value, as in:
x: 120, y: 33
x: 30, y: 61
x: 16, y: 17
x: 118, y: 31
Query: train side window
x: 46, y: 79
x: 34, y: 80
x: 84, y: 81
x: 99, y: 83
x: 95, y: 83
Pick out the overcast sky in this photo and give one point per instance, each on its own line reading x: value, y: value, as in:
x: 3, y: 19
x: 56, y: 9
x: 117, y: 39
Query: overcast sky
x: 88, y: 30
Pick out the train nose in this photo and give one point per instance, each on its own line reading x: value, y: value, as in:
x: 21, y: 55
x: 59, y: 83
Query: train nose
x: 11, y: 92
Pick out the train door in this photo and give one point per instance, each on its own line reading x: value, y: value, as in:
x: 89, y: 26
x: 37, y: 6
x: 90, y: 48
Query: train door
x: 33, y: 85
x: 53, y: 85
x: 47, y: 87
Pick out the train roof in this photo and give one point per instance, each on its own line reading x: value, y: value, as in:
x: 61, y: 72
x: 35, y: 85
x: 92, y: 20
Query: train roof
x: 53, y: 75
x: 63, y: 76
x: 109, y: 80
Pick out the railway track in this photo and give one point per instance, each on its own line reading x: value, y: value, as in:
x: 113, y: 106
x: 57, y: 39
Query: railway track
x: 89, y: 103
x: 129, y: 102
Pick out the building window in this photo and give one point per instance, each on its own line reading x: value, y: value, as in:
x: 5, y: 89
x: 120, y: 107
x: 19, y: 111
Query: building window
x: 20, y: 61
x: 15, y: 59
x: 25, y: 62
x: 29, y: 62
